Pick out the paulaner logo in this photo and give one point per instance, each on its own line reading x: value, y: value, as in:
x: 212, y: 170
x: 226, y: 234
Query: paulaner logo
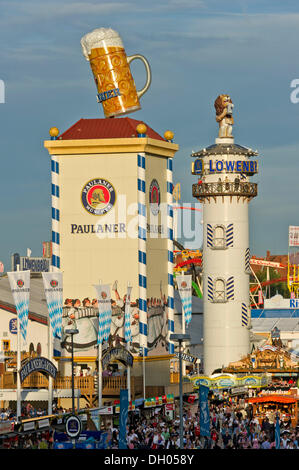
x: 98, y: 196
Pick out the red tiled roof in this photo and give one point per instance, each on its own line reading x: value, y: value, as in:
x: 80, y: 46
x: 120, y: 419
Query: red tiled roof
x: 111, y: 128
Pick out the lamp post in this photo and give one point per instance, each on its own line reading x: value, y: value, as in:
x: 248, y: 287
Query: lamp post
x: 180, y: 338
x: 72, y: 332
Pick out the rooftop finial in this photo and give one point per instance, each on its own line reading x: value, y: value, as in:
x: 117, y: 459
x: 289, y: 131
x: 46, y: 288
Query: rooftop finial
x: 224, y: 115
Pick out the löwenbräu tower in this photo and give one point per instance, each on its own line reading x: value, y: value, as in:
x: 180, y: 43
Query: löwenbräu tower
x: 224, y: 189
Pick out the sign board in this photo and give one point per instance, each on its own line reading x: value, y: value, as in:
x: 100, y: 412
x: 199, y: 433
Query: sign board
x: 247, y: 167
x: 35, y: 265
x: 73, y: 426
x: 169, y: 406
x: 158, y: 401
x: 29, y: 426
x: 293, y: 235
x: 186, y: 357
x: 43, y: 423
x: 263, y: 262
x: 238, y: 390
x: 278, y: 302
x: 108, y: 410
x: 131, y: 407
x: 118, y: 354
x: 13, y: 326
x: 38, y: 364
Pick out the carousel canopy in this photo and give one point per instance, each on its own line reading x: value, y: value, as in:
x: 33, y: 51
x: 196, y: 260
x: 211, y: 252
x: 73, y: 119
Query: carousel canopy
x: 273, y: 399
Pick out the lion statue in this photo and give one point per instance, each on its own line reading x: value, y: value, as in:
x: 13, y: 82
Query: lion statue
x: 97, y: 197
x: 224, y: 109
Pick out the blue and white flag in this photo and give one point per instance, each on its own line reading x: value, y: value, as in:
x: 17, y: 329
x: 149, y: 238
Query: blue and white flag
x: 123, y: 416
x: 184, y: 284
x: 128, y: 333
x: 204, y: 412
x: 105, y: 311
x: 20, y: 287
x: 277, y: 433
x: 54, y: 297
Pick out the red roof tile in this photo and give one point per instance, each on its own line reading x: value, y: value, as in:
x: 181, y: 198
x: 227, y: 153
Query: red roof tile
x: 106, y: 129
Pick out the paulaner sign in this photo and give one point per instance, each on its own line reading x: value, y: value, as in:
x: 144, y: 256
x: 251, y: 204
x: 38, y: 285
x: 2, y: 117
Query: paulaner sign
x: 98, y: 228
x: 118, y: 354
x: 38, y: 364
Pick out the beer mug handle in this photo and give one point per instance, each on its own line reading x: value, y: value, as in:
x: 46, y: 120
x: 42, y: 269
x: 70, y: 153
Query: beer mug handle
x: 148, y: 72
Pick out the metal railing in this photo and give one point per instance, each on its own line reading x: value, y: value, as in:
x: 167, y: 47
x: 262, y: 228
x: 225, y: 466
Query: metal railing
x: 87, y: 385
x: 224, y: 189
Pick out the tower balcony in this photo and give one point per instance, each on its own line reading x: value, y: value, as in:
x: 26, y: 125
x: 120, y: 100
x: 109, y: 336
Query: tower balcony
x: 241, y: 189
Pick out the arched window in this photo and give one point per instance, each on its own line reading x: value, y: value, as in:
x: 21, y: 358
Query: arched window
x: 219, y: 238
x: 219, y: 290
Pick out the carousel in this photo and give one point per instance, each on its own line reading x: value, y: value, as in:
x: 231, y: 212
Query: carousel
x: 281, y: 394
x: 271, y: 358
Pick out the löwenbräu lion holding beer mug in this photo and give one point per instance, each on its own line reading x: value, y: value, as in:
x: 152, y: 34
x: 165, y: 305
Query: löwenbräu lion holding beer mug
x: 104, y: 50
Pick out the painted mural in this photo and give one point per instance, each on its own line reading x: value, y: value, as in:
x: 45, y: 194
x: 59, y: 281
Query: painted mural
x: 83, y: 316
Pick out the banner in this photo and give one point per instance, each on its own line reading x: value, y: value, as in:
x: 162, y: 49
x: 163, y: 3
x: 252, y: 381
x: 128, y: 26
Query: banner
x: 261, y: 299
x: 85, y: 445
x: 277, y: 433
x: 105, y: 311
x: 105, y: 440
x: 184, y: 284
x: 293, y: 235
x: 128, y: 333
x: 204, y: 412
x: 54, y: 297
x: 20, y: 287
x: 124, y: 406
x: 62, y: 445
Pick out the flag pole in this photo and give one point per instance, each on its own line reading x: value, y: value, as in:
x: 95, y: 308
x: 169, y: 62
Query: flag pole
x: 50, y: 355
x: 19, y: 392
x: 18, y: 369
x: 183, y: 332
x: 128, y: 368
x: 100, y: 371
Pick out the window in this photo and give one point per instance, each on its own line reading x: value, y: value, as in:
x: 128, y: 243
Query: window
x: 5, y: 345
x: 219, y: 290
x: 219, y: 238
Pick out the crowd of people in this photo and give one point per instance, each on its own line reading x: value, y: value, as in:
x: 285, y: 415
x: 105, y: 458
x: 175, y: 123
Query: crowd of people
x: 232, y: 426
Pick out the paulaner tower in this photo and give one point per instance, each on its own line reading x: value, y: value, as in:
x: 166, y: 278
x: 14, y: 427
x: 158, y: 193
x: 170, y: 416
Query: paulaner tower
x: 224, y: 189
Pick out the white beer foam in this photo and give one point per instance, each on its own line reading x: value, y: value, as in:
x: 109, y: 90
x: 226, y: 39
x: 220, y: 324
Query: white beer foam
x: 97, y: 37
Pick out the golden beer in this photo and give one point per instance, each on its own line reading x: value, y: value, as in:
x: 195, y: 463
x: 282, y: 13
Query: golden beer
x: 110, y: 66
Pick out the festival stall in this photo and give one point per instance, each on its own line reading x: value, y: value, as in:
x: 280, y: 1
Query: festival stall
x: 152, y: 406
x: 270, y: 405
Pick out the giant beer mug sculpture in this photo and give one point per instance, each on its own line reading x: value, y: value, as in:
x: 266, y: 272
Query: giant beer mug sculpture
x: 104, y: 50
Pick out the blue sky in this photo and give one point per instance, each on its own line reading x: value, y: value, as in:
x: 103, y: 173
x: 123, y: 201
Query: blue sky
x: 197, y: 49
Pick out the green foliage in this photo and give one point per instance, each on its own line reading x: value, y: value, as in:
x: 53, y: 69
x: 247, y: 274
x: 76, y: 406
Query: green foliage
x: 279, y: 288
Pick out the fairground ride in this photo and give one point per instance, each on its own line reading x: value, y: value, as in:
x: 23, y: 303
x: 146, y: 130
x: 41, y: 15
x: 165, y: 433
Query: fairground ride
x: 191, y: 262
